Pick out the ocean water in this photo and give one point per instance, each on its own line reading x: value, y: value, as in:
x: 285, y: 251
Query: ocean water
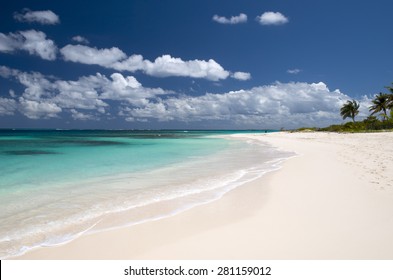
x: 56, y: 185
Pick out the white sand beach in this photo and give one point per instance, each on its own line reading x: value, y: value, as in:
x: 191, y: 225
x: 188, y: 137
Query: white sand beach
x: 333, y: 201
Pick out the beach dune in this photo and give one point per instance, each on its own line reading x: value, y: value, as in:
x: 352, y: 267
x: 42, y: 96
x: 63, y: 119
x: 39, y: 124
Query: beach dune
x: 334, y: 200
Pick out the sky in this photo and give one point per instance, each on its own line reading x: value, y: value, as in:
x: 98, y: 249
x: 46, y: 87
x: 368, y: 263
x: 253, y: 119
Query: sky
x: 206, y: 64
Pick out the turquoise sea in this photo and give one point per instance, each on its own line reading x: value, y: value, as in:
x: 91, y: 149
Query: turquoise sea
x: 58, y: 184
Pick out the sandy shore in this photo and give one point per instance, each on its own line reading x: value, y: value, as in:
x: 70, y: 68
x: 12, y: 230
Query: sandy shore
x: 333, y: 201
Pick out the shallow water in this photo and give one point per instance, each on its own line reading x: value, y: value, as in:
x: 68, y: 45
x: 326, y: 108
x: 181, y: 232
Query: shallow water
x: 56, y: 185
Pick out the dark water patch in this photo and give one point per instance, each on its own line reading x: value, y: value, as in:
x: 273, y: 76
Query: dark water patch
x: 29, y: 153
x: 59, y: 141
x: 157, y: 136
x: 77, y: 134
x: 88, y: 142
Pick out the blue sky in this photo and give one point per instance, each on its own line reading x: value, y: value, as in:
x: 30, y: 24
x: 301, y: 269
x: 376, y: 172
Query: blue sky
x: 190, y: 64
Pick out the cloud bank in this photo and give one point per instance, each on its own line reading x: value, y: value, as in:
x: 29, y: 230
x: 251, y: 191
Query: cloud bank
x: 95, y: 97
x: 45, y: 97
x: 163, y: 66
x: 290, y: 104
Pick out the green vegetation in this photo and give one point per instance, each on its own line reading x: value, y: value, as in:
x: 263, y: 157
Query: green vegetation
x: 370, y: 124
x: 382, y: 106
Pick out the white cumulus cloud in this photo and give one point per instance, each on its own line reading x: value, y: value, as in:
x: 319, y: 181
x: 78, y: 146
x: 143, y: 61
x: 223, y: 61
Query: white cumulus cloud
x: 42, y: 17
x: 45, y: 97
x: 162, y: 66
x: 82, y: 116
x: 133, y: 63
x: 38, y: 109
x: 120, y: 82
x: 32, y: 41
x: 165, y: 66
x: 242, y: 76
x: 272, y: 18
x: 89, y: 55
x: 241, y: 18
x: 129, y: 89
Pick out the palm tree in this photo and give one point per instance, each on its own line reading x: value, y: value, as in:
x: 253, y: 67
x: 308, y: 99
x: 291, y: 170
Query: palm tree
x: 350, y: 109
x: 380, y: 103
